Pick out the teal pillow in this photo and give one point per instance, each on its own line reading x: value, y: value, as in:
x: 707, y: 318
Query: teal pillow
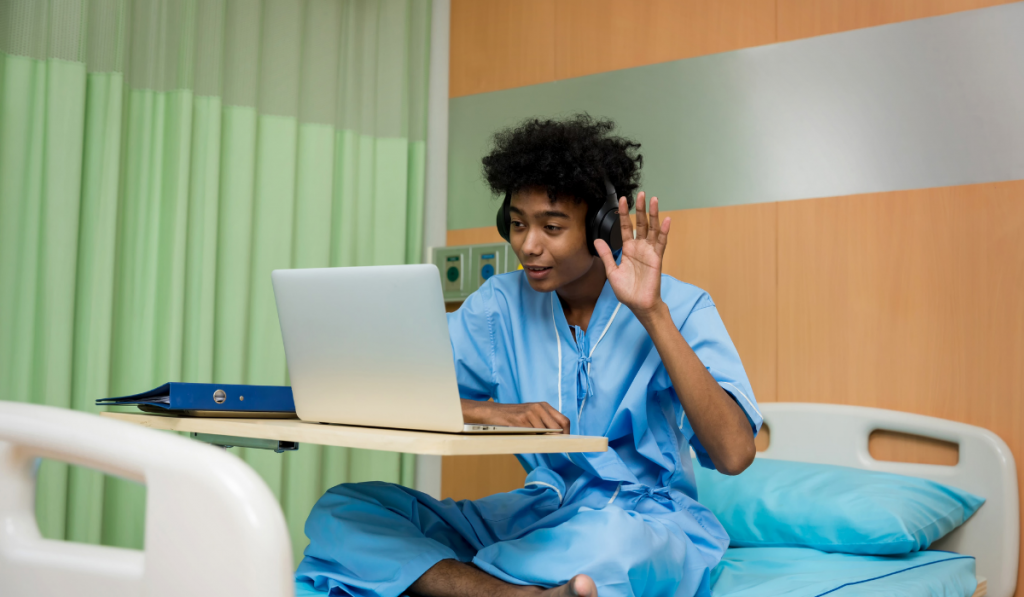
x: 778, y: 503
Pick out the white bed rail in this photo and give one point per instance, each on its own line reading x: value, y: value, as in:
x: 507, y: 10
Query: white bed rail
x: 213, y: 528
x: 838, y: 434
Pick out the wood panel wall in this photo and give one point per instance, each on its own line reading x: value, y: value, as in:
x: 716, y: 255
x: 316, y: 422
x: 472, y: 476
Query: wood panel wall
x: 730, y: 253
x: 596, y: 36
x: 501, y: 44
x: 798, y: 19
x: 909, y: 300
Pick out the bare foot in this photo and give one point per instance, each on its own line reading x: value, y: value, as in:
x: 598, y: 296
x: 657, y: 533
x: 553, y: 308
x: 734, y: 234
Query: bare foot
x: 580, y: 585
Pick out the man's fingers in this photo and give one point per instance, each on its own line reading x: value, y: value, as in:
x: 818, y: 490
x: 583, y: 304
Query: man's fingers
x: 662, y: 241
x: 558, y: 420
x: 652, y: 232
x: 539, y: 415
x: 554, y: 420
x: 641, y: 215
x: 549, y: 422
x: 624, y: 223
x: 605, y: 253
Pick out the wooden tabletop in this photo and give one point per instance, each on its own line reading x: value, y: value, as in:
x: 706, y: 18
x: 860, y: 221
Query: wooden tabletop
x: 370, y: 438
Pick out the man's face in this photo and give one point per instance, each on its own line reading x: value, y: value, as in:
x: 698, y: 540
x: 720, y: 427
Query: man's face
x: 550, y: 238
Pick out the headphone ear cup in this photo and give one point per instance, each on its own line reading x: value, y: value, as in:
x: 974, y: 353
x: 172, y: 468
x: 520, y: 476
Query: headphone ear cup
x: 611, y: 230
x: 503, y: 221
x: 605, y: 227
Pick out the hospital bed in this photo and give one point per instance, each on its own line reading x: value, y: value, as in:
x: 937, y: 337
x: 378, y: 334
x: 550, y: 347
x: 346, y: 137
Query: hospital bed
x: 213, y: 527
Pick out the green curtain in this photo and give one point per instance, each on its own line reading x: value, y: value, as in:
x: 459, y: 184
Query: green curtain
x: 158, y: 158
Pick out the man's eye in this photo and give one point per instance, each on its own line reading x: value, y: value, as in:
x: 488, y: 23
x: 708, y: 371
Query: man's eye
x: 552, y: 227
x: 517, y: 224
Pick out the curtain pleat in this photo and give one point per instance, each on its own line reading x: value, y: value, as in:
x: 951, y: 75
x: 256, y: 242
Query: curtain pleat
x: 158, y: 158
x: 94, y: 288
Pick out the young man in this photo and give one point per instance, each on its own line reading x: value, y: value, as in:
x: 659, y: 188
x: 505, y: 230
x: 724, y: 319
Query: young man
x: 587, y: 341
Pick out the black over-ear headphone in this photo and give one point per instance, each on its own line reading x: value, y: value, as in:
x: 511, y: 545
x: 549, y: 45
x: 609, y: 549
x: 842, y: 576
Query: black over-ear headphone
x: 602, y: 224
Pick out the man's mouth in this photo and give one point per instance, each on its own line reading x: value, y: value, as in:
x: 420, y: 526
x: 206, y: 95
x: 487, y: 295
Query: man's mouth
x: 536, y: 272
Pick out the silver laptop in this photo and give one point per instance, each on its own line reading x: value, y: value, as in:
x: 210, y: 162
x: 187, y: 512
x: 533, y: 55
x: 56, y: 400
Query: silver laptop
x: 369, y: 346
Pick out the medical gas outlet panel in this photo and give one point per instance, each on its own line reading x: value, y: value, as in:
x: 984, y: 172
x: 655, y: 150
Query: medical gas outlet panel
x: 466, y: 268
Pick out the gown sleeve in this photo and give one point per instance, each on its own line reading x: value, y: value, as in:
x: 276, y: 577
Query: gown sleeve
x: 705, y: 333
x: 472, y: 328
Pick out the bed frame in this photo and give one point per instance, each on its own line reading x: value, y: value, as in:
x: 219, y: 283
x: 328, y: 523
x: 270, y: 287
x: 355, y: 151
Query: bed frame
x: 213, y: 527
x: 838, y: 434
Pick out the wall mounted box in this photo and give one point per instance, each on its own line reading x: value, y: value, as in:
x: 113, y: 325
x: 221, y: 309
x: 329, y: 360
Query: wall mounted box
x: 465, y: 268
x: 453, y: 263
x: 486, y: 262
x: 490, y: 260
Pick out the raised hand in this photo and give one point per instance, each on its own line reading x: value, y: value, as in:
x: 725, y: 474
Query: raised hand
x: 636, y: 280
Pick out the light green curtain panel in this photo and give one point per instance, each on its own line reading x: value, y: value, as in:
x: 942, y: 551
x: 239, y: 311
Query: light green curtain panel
x: 158, y: 158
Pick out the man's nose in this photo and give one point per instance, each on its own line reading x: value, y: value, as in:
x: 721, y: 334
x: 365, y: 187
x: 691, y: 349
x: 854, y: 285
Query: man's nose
x: 532, y: 244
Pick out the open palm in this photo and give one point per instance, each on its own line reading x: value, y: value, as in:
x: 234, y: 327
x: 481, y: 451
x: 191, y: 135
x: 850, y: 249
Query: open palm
x: 636, y: 279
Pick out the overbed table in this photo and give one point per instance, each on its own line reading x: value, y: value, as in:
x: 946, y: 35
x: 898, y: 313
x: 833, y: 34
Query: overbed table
x: 370, y: 438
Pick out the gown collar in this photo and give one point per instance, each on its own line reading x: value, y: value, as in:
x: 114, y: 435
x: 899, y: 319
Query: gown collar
x: 606, y: 307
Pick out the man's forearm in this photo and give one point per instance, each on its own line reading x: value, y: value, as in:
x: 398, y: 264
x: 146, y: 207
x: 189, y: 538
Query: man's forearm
x: 719, y: 423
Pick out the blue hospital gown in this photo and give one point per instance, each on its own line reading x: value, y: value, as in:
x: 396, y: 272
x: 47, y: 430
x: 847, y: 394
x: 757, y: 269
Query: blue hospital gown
x: 627, y: 517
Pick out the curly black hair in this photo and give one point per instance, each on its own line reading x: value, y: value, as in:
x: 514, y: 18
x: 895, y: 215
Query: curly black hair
x: 570, y: 157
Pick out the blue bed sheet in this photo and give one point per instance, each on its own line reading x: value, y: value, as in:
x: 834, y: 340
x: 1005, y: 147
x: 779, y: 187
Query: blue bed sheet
x: 805, y: 572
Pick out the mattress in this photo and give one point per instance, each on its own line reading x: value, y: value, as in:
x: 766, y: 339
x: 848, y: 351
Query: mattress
x: 804, y: 572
